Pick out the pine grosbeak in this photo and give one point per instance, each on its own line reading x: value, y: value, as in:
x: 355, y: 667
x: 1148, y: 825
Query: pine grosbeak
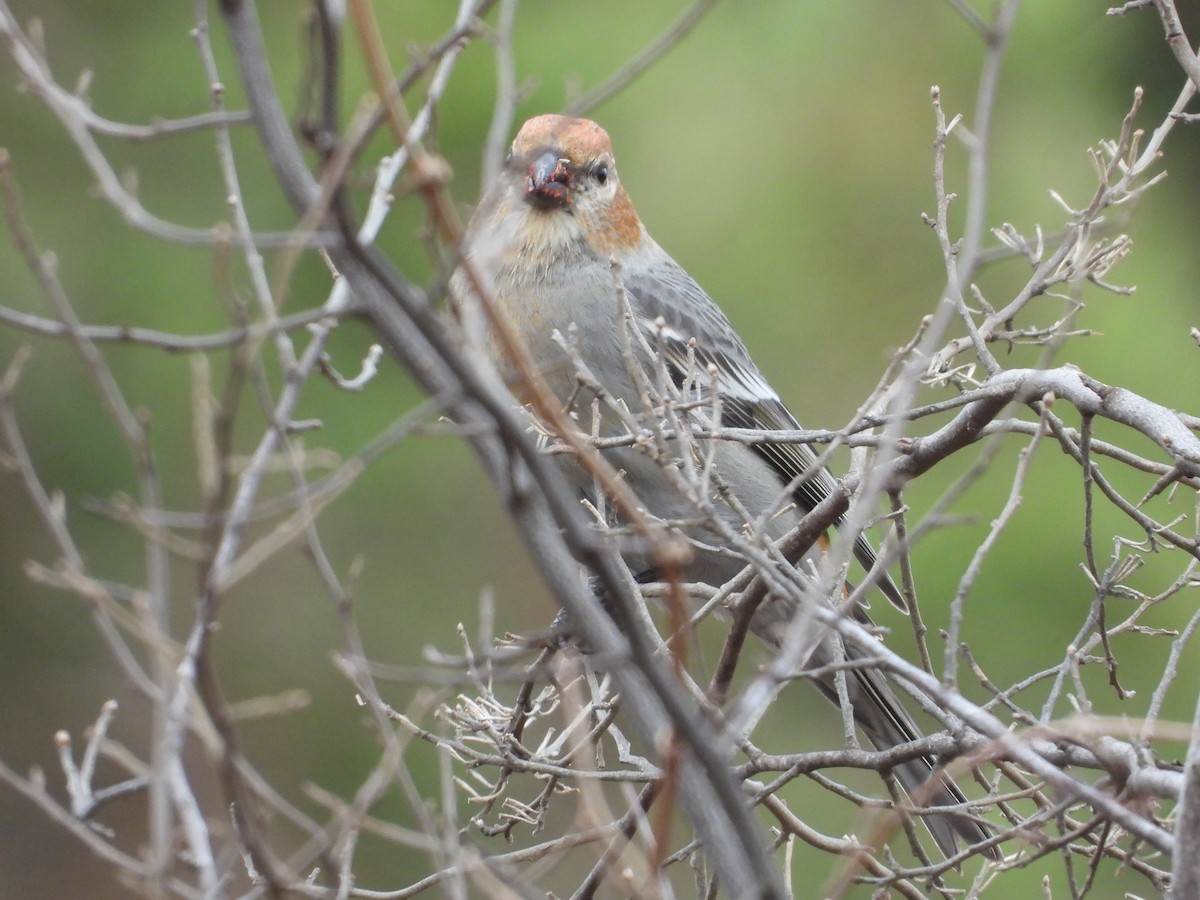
x: 560, y: 249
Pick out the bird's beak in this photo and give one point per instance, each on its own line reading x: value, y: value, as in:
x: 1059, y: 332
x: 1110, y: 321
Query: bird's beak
x: 549, y: 181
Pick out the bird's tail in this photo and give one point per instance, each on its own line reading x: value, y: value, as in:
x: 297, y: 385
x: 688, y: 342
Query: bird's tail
x: 887, y: 724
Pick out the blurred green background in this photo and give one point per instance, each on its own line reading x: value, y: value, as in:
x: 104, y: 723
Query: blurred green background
x: 783, y: 154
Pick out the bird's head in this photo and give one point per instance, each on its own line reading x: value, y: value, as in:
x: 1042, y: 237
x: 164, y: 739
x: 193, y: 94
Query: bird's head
x: 561, y: 179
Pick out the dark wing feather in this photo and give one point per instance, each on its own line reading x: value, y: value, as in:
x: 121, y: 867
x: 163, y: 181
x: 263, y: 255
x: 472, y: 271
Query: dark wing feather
x: 748, y: 401
x: 659, y: 300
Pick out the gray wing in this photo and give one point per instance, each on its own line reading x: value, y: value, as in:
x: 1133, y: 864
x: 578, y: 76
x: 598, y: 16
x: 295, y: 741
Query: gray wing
x: 748, y: 401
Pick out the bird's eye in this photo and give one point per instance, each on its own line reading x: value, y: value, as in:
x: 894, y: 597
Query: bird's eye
x: 601, y: 173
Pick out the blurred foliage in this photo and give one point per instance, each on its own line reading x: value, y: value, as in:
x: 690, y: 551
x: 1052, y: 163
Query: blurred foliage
x: 782, y: 153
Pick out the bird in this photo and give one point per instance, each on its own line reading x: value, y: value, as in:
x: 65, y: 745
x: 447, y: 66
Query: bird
x: 564, y: 258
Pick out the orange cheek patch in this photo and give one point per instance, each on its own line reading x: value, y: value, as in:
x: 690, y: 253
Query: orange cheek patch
x: 617, y: 228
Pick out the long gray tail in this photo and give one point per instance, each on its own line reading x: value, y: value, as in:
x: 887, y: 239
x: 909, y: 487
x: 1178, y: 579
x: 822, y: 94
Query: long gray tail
x: 887, y: 724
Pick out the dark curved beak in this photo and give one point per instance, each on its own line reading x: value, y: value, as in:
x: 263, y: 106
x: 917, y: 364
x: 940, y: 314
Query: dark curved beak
x: 549, y: 180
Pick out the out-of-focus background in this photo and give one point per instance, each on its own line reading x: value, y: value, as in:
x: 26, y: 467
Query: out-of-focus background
x: 782, y: 153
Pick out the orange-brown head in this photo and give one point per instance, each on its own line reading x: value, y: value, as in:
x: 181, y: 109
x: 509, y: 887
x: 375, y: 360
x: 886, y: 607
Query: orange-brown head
x: 562, y: 168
